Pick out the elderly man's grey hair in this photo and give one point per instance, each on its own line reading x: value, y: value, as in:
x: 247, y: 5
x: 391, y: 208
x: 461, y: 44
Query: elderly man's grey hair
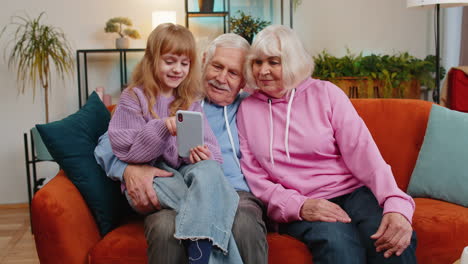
x: 228, y: 40
x: 281, y: 41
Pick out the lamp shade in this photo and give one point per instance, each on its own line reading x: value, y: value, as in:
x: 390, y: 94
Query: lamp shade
x: 160, y: 17
x: 432, y: 3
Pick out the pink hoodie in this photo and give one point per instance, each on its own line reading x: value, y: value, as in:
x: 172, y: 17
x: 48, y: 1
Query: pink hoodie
x: 330, y: 149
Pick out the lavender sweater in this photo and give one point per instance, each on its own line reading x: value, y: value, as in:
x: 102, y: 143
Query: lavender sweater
x: 137, y: 137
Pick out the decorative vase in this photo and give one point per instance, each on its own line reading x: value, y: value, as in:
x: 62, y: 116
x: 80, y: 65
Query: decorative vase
x: 206, y: 6
x: 122, y: 43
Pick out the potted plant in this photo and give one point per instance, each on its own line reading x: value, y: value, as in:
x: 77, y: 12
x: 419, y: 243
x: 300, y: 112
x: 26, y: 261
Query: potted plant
x: 399, y: 75
x: 246, y: 25
x: 120, y: 25
x: 36, y: 50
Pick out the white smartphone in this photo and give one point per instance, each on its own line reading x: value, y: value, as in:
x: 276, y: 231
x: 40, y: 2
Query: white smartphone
x: 189, y: 131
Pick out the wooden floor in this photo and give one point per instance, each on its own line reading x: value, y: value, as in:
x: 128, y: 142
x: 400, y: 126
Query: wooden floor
x: 16, y: 241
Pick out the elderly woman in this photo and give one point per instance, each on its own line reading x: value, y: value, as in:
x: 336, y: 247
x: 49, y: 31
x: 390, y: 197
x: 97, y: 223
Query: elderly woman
x: 310, y: 158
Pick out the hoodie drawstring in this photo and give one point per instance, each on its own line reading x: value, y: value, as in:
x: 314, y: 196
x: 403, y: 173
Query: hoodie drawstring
x: 271, y: 133
x: 234, y: 153
x: 226, y: 120
x: 286, y: 134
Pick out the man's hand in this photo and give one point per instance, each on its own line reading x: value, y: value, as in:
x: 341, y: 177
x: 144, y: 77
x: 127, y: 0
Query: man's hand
x: 139, y: 183
x: 199, y: 153
x: 171, y: 125
x: 394, y: 234
x: 323, y: 210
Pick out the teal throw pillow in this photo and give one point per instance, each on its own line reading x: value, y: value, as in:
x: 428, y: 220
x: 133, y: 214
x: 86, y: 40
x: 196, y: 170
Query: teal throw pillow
x: 441, y: 171
x: 71, y: 142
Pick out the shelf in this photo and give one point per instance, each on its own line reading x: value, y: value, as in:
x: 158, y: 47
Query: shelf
x: 108, y: 50
x: 224, y: 14
x: 83, y: 53
x: 210, y: 14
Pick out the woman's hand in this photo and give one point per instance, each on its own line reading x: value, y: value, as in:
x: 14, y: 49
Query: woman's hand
x: 323, y: 210
x: 171, y: 125
x: 199, y: 153
x: 394, y: 234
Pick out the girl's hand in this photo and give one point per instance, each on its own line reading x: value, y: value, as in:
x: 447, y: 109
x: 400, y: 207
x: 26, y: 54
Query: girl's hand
x: 199, y: 153
x: 171, y: 125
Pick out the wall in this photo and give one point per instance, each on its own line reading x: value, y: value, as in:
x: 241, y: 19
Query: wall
x: 361, y: 25
x: 379, y: 26
x: 83, y: 22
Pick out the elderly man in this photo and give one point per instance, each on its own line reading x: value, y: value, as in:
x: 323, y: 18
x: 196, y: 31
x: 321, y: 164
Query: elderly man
x: 222, y: 78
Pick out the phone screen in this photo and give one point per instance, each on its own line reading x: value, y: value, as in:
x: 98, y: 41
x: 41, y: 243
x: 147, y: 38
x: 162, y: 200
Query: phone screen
x: 189, y: 131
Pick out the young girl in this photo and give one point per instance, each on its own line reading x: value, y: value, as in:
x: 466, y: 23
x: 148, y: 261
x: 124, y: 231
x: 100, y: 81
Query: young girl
x: 142, y: 130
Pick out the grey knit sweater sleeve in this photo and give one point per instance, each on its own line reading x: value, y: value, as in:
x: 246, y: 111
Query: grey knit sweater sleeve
x: 134, y: 138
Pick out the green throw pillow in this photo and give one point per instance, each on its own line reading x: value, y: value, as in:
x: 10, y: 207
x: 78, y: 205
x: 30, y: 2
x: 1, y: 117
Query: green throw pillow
x: 441, y: 171
x: 71, y: 142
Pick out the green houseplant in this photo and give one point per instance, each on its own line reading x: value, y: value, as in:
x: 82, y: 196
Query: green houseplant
x: 37, y: 49
x: 246, y: 25
x: 393, y: 75
x: 120, y: 25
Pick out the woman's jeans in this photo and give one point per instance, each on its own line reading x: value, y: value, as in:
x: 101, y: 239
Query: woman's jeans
x: 205, y: 203
x: 348, y: 242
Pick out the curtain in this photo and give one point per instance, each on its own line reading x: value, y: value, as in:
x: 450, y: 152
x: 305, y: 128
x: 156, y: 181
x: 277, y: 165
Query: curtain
x: 464, y: 39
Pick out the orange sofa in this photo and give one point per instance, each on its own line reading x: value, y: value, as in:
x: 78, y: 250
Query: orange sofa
x: 65, y: 230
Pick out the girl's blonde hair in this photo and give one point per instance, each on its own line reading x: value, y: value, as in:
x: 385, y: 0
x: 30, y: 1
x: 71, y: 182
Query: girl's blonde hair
x: 281, y: 41
x: 168, y: 38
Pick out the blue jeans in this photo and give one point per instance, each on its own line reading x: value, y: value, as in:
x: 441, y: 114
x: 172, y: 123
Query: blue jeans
x: 205, y: 203
x: 348, y: 242
x: 249, y: 231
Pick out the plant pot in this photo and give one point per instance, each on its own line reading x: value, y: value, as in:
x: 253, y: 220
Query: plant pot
x: 206, y: 6
x: 122, y: 43
x: 354, y: 87
x: 361, y: 87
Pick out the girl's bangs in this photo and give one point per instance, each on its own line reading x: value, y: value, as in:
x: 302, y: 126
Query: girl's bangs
x: 179, y: 43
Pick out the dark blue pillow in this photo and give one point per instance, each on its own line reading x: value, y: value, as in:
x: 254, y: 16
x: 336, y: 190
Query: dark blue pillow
x: 71, y: 142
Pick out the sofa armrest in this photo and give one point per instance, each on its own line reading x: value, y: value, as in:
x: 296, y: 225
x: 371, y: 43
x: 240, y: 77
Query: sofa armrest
x: 63, y: 226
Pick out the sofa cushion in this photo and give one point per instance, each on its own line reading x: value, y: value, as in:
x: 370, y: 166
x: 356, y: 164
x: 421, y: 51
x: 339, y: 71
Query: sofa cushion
x: 397, y: 126
x: 71, y: 142
x: 441, y: 229
x: 442, y: 165
x: 286, y: 249
x: 127, y: 244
